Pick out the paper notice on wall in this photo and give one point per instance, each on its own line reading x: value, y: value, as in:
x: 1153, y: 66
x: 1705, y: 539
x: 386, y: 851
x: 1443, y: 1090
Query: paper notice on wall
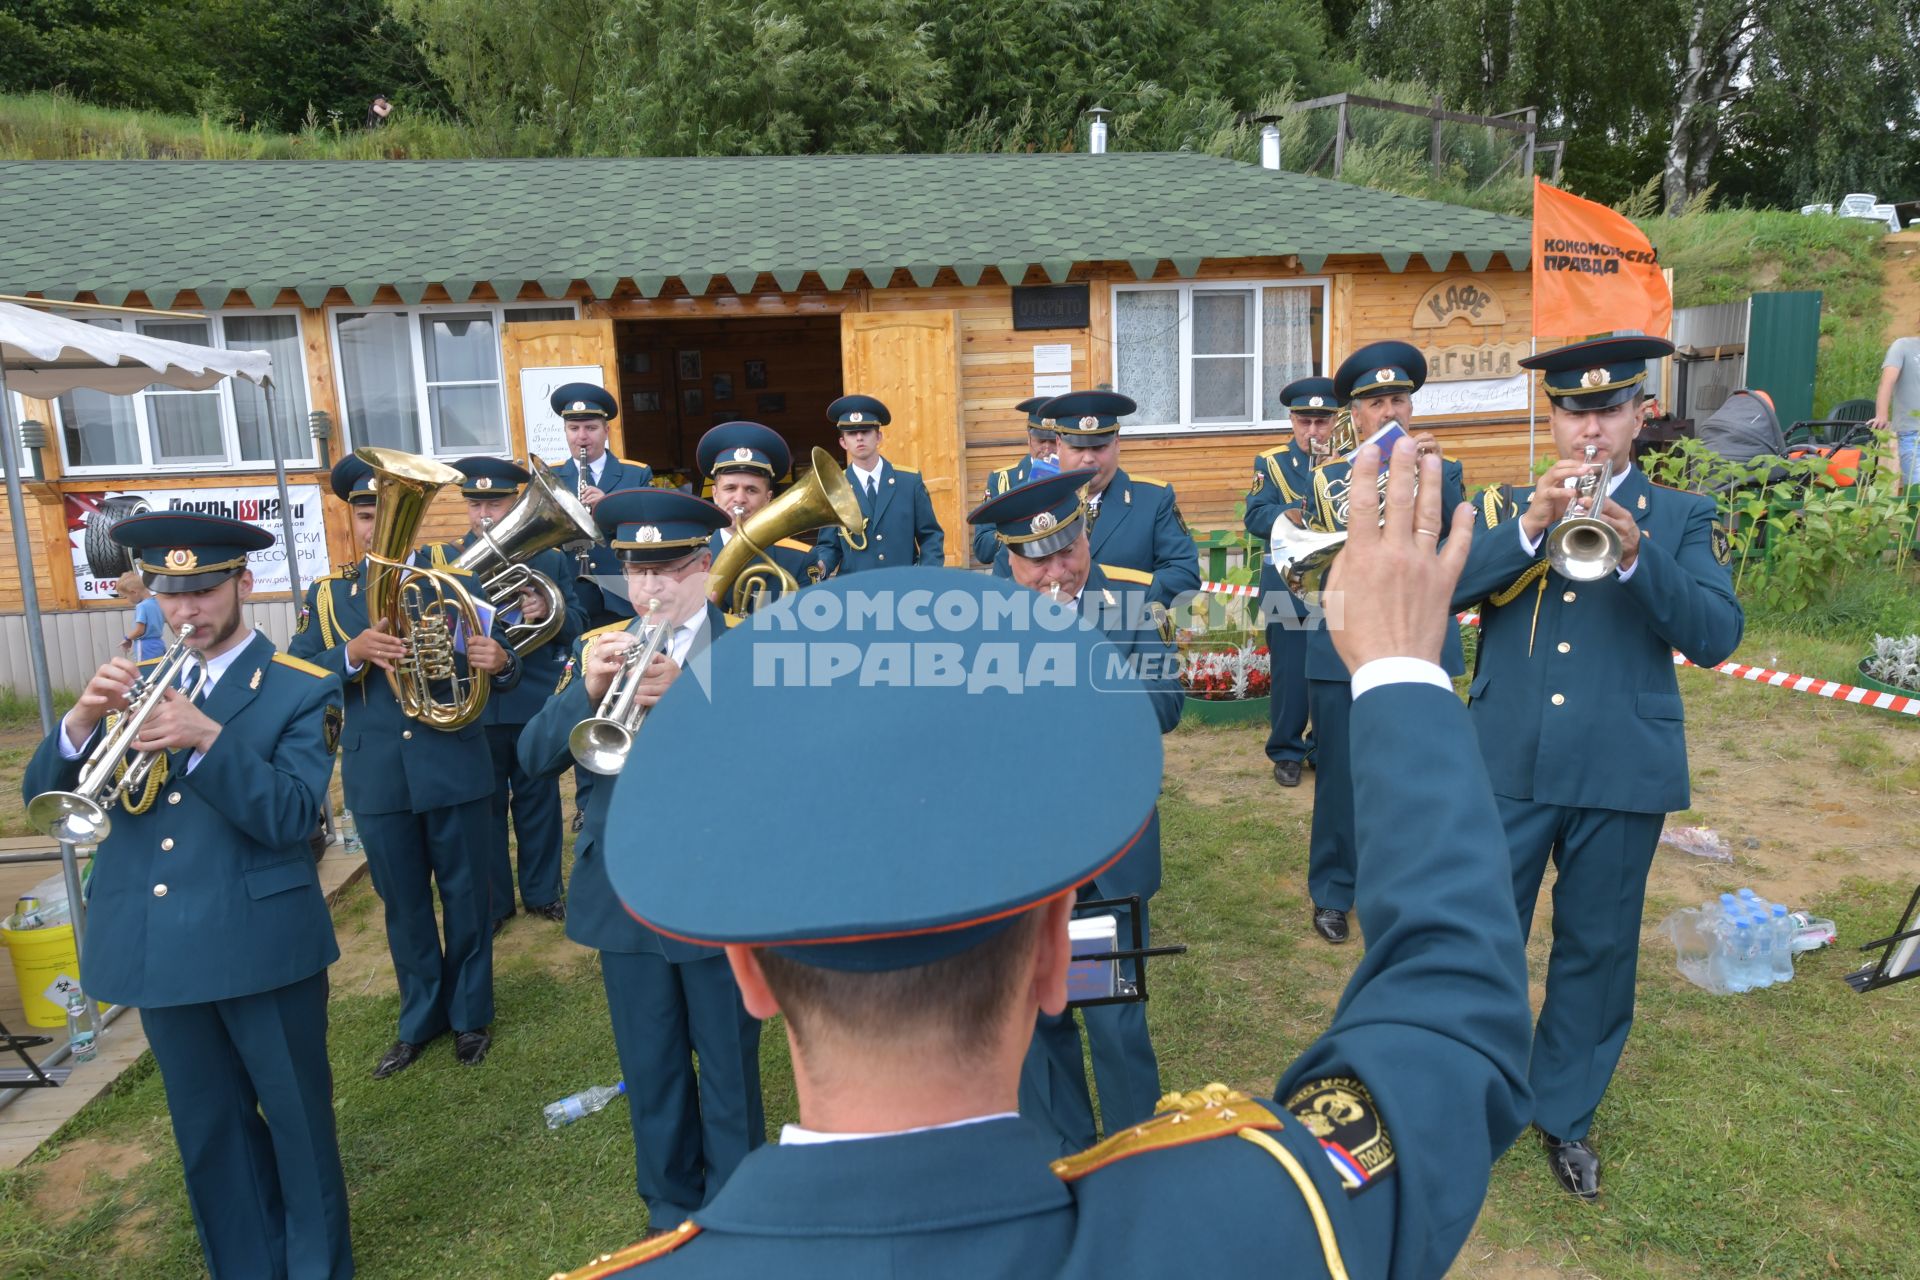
x: 1477, y: 396
x: 1052, y: 384
x: 98, y: 560
x: 546, y: 433
x: 1053, y: 357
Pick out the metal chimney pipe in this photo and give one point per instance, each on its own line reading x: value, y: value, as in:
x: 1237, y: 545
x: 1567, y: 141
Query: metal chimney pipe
x: 1270, y: 146
x: 1097, y: 131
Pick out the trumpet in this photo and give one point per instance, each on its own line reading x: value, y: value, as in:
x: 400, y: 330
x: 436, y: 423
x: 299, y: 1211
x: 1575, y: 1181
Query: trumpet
x: 1582, y: 547
x: 108, y: 777
x: 601, y: 742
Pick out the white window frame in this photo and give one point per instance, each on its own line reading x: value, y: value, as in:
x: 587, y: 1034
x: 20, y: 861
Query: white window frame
x: 1186, y: 425
x: 423, y: 425
x: 229, y: 419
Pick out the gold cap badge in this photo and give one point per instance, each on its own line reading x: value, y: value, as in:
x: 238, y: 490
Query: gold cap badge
x: 182, y: 558
x: 743, y: 454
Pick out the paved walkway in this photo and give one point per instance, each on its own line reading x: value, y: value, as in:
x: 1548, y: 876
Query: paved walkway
x: 36, y: 1114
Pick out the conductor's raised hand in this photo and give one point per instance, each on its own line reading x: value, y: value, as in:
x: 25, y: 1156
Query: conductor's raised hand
x: 1392, y: 584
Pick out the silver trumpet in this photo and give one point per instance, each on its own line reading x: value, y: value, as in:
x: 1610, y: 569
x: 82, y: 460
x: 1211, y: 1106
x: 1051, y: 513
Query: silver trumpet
x: 1582, y: 547
x: 600, y: 743
x: 79, y: 817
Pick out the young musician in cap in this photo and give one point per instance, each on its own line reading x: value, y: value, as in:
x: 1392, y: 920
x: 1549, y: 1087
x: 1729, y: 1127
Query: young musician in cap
x: 204, y: 910
x: 592, y: 472
x: 1043, y: 527
x: 744, y: 460
x: 491, y: 486
x: 1042, y: 460
x: 1282, y: 484
x: 901, y: 527
x: 1376, y: 383
x: 671, y: 1001
x: 1134, y: 527
x: 419, y: 796
x: 909, y: 999
x: 1579, y: 716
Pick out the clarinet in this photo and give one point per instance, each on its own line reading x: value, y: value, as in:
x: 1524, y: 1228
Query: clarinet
x: 584, y: 551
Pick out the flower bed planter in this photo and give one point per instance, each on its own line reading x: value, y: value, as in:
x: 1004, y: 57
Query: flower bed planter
x: 1225, y: 710
x: 1866, y: 682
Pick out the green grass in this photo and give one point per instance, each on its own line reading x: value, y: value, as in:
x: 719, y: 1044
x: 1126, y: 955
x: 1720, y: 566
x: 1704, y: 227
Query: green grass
x: 1765, y: 1135
x: 1724, y: 255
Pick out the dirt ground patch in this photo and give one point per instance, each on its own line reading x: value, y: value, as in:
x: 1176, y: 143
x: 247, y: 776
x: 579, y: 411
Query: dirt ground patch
x: 68, y: 1184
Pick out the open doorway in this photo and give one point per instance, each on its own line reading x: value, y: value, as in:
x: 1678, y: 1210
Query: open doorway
x: 680, y: 377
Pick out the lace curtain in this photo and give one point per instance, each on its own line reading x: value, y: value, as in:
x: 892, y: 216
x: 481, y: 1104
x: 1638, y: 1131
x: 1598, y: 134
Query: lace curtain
x: 1288, y: 343
x: 1146, y: 326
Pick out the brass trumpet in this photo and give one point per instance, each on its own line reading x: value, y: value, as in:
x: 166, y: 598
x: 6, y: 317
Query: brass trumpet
x: 79, y: 816
x: 544, y: 516
x: 601, y: 742
x: 421, y: 605
x: 743, y: 569
x: 1582, y: 547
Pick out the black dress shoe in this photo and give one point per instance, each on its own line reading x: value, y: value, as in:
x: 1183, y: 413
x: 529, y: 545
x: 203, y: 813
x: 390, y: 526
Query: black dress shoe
x: 501, y: 923
x: 1330, y: 923
x: 402, y: 1055
x: 470, y: 1047
x: 1286, y: 772
x: 555, y: 911
x: 1575, y: 1164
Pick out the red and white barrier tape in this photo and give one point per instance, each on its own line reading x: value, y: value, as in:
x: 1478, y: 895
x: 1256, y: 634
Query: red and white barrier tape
x: 1898, y: 703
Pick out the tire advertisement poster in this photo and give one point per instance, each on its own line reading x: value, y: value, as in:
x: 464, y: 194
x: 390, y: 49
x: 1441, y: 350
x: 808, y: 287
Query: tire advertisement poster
x: 98, y: 560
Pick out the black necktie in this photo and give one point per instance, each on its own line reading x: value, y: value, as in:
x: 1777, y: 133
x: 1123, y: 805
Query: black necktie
x: 873, y: 488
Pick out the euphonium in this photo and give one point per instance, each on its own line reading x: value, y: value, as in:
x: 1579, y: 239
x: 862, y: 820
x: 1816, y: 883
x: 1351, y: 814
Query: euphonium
x: 601, y: 742
x: 743, y: 569
x: 421, y: 605
x: 544, y: 516
x: 1582, y: 547
x: 80, y: 816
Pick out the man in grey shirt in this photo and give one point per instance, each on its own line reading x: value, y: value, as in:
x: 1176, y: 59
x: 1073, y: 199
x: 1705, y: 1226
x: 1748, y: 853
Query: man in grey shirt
x: 1898, y: 404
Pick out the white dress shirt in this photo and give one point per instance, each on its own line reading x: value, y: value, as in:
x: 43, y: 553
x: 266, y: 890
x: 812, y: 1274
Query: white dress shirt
x: 866, y: 478
x: 792, y: 1135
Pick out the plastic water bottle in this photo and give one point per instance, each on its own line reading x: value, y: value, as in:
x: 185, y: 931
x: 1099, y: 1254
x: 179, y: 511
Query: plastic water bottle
x: 1740, y: 955
x: 1810, y: 933
x: 1783, y: 932
x: 1762, y: 930
x: 581, y: 1105
x: 79, y: 1030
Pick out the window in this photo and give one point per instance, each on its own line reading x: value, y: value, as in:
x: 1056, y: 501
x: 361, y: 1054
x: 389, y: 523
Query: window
x: 165, y: 428
x: 1214, y: 355
x: 428, y: 379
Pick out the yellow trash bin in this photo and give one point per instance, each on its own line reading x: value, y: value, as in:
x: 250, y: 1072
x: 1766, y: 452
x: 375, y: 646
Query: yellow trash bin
x: 39, y: 956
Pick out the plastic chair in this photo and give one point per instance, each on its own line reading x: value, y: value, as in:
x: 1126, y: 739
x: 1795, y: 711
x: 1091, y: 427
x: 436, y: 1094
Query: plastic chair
x: 1852, y: 411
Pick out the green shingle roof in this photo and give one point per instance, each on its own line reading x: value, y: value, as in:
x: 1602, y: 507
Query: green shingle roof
x: 112, y: 227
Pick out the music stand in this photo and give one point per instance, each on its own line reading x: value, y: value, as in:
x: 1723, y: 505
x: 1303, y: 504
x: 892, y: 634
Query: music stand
x: 1900, y: 955
x: 1129, y: 992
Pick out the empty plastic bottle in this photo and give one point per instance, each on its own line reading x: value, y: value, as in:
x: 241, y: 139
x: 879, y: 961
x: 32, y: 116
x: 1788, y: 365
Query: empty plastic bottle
x: 1810, y: 933
x: 80, y: 1039
x: 581, y: 1105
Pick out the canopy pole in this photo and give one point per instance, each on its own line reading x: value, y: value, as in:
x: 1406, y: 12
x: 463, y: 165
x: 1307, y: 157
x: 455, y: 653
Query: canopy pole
x: 13, y: 464
x: 286, y: 505
x: 1533, y: 398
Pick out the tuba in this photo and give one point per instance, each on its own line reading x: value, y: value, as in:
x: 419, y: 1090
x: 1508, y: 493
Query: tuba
x: 110, y: 776
x: 422, y: 606
x: 544, y: 516
x: 1582, y: 547
x: 743, y: 571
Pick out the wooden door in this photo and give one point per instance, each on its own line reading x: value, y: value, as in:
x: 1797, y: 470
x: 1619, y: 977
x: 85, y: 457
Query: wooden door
x: 540, y: 355
x: 911, y: 361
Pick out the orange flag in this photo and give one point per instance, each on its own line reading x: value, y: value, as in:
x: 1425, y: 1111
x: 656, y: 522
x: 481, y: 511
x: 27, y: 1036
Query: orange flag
x: 1593, y: 272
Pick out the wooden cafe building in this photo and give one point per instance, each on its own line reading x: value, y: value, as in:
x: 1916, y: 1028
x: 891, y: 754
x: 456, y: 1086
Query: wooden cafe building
x: 430, y: 305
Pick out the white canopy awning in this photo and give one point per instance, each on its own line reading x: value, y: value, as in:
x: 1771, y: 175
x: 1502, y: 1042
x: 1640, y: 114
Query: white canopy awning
x: 47, y: 355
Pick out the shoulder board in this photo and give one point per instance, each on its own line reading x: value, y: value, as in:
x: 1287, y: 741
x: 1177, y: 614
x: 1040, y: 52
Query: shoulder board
x: 336, y: 576
x: 1282, y: 447
x: 611, y: 626
x: 301, y: 664
x: 1181, y: 1118
x: 793, y: 544
x: 629, y: 462
x: 907, y: 471
x: 1158, y: 484
x: 633, y: 1255
x: 1122, y: 574
x: 733, y: 619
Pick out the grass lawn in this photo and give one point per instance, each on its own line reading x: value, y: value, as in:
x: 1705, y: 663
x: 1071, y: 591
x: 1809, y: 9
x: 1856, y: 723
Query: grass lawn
x: 1766, y: 1135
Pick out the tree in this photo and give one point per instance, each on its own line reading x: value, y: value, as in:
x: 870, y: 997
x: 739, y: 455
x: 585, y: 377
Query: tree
x: 1719, y: 36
